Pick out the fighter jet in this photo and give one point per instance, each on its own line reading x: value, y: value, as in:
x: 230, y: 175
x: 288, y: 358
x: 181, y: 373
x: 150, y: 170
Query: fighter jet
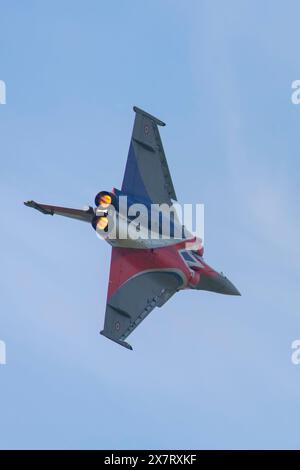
x: 145, y: 272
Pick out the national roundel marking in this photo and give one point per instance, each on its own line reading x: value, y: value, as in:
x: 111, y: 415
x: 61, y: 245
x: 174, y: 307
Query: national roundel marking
x: 146, y: 129
x: 117, y: 325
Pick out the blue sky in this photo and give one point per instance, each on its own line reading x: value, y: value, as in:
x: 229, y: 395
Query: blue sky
x: 207, y: 371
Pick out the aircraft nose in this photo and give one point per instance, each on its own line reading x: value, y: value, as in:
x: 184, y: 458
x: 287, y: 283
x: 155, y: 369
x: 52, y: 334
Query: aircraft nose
x: 228, y: 288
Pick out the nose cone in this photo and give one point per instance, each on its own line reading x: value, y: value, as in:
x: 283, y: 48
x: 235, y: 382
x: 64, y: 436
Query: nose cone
x: 226, y: 287
x: 216, y: 282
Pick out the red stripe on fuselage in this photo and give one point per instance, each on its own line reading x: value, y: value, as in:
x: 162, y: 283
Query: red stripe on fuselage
x: 128, y: 262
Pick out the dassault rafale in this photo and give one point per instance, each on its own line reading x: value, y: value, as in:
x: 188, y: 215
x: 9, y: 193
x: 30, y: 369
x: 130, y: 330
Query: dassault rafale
x: 145, y: 271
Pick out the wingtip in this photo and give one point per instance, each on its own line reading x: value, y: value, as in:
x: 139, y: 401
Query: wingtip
x: 150, y: 116
x: 118, y: 341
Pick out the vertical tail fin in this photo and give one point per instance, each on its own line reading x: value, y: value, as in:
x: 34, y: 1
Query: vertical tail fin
x: 78, y: 214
